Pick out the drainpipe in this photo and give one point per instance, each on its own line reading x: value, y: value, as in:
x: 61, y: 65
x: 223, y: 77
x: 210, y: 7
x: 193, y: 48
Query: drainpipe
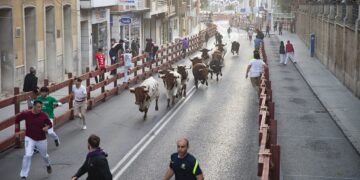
x: 78, y: 37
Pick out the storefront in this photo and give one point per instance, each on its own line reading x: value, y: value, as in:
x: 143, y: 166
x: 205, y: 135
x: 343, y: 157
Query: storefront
x: 100, y: 29
x: 126, y: 26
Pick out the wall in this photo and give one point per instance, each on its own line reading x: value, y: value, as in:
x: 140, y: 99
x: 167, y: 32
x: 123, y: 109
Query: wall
x: 337, y: 42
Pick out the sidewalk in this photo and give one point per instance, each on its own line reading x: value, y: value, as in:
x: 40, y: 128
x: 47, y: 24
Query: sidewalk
x: 312, y: 145
x: 342, y: 105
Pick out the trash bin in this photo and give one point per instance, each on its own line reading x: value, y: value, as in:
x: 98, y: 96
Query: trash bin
x: 312, y: 44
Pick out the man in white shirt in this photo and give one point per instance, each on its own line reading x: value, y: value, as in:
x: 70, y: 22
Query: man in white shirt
x: 79, y: 94
x: 255, y: 67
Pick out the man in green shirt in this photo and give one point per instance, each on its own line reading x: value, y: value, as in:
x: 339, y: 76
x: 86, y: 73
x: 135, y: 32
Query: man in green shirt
x: 49, y: 104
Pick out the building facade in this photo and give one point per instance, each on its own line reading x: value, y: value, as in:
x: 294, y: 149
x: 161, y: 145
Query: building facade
x: 94, y: 30
x: 127, y: 21
x: 40, y: 34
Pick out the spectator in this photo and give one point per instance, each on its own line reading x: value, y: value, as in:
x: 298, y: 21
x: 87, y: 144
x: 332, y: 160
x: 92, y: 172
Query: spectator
x: 275, y: 26
x: 185, y: 46
x: 155, y: 50
x: 206, y: 37
x: 267, y: 30
x: 127, y: 64
x: 290, y: 53
x: 280, y: 28
x: 30, y: 84
x: 100, y: 65
x: 115, y: 47
x: 134, y: 48
x: 30, y: 81
x: 282, y: 52
x: 96, y: 164
x: 149, y: 50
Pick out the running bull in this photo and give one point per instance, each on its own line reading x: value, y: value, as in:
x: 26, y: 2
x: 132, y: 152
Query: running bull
x: 145, y: 93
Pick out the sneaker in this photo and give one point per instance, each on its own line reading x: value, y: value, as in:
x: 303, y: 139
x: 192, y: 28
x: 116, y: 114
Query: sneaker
x: 23, y: 177
x: 57, y: 143
x: 48, y: 169
x: 84, y: 128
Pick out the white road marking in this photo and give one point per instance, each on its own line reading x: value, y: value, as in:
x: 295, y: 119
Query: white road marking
x: 148, y: 138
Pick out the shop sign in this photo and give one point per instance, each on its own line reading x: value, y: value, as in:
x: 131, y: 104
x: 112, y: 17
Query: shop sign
x: 125, y: 20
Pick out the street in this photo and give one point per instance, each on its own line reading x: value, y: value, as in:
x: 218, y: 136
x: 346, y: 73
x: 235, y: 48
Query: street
x: 220, y: 122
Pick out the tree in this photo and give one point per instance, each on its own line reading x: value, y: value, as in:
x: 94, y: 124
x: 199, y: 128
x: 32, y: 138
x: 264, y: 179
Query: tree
x: 285, y: 5
x: 204, y: 4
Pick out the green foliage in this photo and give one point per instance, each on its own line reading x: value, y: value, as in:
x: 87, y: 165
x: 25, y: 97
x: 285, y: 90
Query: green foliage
x: 285, y: 5
x: 204, y: 4
x: 230, y: 7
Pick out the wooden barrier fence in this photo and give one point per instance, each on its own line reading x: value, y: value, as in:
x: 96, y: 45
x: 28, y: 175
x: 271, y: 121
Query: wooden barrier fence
x: 167, y: 55
x: 269, y: 153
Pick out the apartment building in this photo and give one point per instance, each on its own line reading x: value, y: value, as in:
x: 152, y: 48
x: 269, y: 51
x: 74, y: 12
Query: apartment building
x: 38, y: 33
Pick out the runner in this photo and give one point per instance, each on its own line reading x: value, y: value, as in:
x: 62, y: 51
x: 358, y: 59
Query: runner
x: 49, y: 103
x: 37, y: 124
x: 79, y: 94
x: 183, y: 165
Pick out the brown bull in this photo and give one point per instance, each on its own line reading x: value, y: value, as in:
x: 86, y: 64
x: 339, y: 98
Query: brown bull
x: 200, y: 71
x: 205, y: 55
x: 181, y: 69
x: 172, y: 83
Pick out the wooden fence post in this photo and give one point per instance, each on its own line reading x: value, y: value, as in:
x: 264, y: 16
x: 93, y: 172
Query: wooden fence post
x: 88, y: 83
x: 275, y: 157
x: 16, y: 104
x: 46, y: 82
x: 115, y: 82
x: 71, y: 100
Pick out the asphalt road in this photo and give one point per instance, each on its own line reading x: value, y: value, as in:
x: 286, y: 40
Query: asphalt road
x: 219, y: 120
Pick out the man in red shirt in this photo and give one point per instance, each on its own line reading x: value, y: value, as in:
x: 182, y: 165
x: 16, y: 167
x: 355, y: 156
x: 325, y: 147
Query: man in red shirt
x: 37, y: 124
x: 100, y: 64
x: 290, y: 53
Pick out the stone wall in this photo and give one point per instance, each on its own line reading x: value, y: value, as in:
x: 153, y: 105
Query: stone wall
x: 337, y: 38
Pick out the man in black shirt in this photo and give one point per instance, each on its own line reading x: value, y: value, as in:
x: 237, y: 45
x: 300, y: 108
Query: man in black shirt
x: 30, y: 81
x: 183, y: 165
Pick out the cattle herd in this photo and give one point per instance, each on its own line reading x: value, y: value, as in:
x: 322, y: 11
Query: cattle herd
x: 175, y: 79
